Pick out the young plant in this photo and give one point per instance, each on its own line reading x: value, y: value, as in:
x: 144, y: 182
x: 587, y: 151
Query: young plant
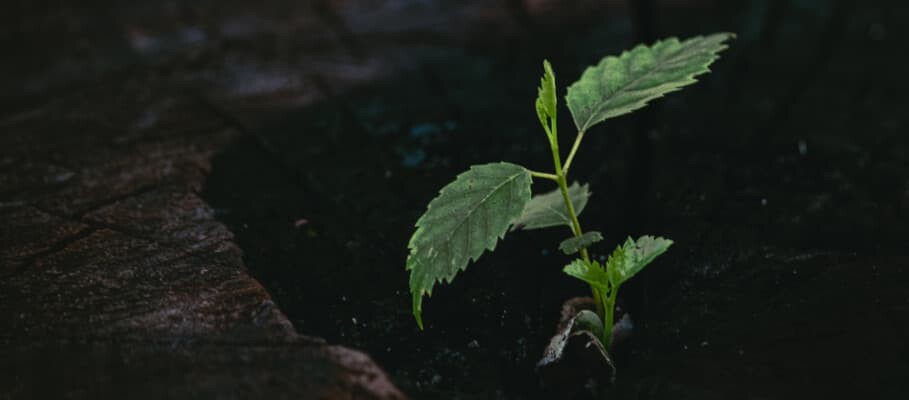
x: 472, y: 213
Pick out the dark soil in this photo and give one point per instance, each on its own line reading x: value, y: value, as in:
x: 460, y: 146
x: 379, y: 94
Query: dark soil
x: 782, y: 177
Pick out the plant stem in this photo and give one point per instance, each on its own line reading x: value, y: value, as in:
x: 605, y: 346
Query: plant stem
x: 575, y: 224
x: 544, y: 175
x: 605, y: 302
x: 561, y: 179
x: 576, y: 228
x: 609, y: 307
x: 574, y: 150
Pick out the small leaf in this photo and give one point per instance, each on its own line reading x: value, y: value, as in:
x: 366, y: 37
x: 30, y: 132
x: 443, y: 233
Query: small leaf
x: 574, y: 244
x: 631, y: 257
x: 592, y: 273
x: 468, y: 217
x: 648, y: 248
x: 588, y: 321
x: 615, y: 266
x: 548, y: 209
x: 546, y: 99
x: 620, y: 85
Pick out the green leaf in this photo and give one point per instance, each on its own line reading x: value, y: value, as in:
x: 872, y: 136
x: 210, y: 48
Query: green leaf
x: 592, y: 273
x: 548, y: 209
x: 615, y: 266
x: 620, y: 85
x: 546, y: 100
x: 467, y: 218
x: 574, y: 244
x: 587, y: 320
x: 631, y: 257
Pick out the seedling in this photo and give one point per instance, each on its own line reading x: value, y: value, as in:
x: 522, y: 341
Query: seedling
x: 474, y: 211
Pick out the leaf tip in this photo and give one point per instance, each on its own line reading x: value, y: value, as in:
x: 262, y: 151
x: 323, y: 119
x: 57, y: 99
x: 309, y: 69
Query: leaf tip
x: 418, y: 308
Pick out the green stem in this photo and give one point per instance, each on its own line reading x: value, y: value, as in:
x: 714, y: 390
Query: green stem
x: 561, y: 179
x: 537, y: 174
x: 609, y: 307
x: 574, y: 150
x: 575, y: 224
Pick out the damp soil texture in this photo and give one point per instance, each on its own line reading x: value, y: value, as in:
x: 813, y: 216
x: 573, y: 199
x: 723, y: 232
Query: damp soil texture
x: 782, y: 177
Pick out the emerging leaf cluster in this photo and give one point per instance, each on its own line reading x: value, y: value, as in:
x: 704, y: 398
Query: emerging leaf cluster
x: 625, y: 261
x: 472, y: 213
x: 546, y: 102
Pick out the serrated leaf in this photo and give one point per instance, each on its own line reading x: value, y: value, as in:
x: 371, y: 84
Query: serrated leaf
x: 592, y: 273
x: 620, y: 85
x: 646, y: 249
x: 574, y: 244
x: 615, y: 266
x: 548, y: 209
x: 631, y: 257
x: 468, y: 217
x: 546, y: 99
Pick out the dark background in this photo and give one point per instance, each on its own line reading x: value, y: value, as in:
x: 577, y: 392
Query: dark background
x: 782, y: 176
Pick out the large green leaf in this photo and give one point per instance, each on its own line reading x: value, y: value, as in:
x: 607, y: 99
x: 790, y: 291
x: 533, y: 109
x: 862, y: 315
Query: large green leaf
x: 620, y: 85
x: 548, y: 209
x: 630, y: 258
x: 467, y: 218
x: 546, y: 101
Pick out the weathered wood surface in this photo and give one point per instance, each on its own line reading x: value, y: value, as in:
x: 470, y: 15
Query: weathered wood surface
x: 116, y: 278
x: 243, y: 370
